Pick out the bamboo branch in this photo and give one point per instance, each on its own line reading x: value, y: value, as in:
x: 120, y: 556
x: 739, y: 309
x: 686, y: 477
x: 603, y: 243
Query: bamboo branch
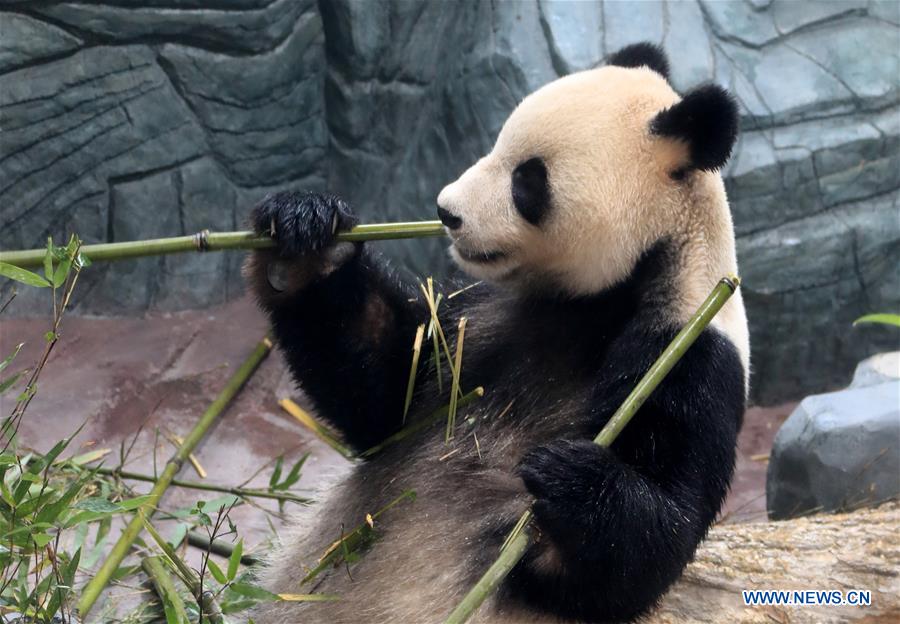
x: 520, y: 537
x: 95, y: 586
x: 173, y: 605
x: 220, y: 241
x: 208, y: 487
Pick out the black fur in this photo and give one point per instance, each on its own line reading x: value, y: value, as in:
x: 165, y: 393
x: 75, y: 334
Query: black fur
x: 301, y: 221
x: 531, y: 191
x: 329, y: 332
x: 621, y: 522
x: 707, y: 120
x: 640, y: 54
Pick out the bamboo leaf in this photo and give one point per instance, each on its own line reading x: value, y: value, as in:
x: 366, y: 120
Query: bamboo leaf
x: 9, y: 382
x: 62, y: 271
x: 293, y: 475
x: 252, y: 591
x: 276, y: 472
x: 11, y: 356
x: 216, y: 571
x: 23, y: 276
x: 881, y: 319
x: 235, y: 559
x: 48, y: 259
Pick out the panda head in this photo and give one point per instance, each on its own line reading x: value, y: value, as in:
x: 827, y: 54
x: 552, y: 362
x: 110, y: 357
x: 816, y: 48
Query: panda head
x: 589, y: 172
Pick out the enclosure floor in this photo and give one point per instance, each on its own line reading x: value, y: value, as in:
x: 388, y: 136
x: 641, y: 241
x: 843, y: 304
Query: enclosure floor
x: 120, y: 375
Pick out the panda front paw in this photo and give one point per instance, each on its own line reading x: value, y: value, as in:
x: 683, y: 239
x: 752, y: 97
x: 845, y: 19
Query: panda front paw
x: 566, y: 478
x: 301, y: 222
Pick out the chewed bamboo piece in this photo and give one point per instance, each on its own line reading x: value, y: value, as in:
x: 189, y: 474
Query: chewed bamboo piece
x: 177, y: 441
x: 221, y: 241
x: 454, y: 387
x: 413, y: 369
x: 323, y: 433
x: 519, y: 539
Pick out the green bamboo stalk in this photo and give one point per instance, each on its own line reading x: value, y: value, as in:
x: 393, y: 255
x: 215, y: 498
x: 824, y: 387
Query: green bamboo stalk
x: 220, y: 241
x: 173, y: 605
x: 95, y: 586
x: 520, y: 538
x: 205, y: 598
x: 207, y: 487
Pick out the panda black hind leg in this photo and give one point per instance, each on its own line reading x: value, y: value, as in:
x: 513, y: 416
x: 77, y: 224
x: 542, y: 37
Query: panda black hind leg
x: 343, y: 320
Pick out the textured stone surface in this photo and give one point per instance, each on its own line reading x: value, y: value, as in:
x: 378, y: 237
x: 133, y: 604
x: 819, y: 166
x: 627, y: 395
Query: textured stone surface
x: 840, y: 450
x: 123, y: 119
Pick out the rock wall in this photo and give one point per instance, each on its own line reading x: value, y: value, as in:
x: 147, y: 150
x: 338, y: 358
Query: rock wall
x: 121, y: 123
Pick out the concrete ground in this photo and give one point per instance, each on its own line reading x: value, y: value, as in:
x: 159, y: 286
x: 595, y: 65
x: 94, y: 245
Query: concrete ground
x: 127, y: 377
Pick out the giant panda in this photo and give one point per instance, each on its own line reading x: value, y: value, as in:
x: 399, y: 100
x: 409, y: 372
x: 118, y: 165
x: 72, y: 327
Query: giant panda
x: 596, y: 225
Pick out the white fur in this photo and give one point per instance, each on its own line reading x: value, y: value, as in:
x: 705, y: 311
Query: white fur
x: 611, y: 193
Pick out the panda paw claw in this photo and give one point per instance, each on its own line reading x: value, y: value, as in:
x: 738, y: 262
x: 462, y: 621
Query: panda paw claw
x: 565, y: 477
x: 301, y: 222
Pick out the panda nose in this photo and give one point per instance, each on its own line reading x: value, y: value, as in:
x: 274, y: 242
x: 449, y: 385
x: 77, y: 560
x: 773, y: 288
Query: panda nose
x: 450, y: 220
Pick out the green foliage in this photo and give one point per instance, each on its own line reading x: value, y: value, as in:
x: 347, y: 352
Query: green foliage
x: 39, y: 499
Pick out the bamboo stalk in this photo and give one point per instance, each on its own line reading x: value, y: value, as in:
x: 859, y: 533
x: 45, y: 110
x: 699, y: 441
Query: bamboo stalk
x: 413, y: 369
x: 119, y: 551
x: 520, y: 537
x: 220, y: 241
x: 454, y: 386
x: 208, y: 487
x: 205, y: 598
x: 223, y: 549
x: 173, y: 605
x: 323, y: 433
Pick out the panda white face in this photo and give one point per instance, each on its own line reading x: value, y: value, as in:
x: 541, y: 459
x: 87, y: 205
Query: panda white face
x: 584, y: 178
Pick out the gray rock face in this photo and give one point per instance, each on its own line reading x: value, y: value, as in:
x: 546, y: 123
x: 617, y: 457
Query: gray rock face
x: 840, y: 450
x: 167, y: 116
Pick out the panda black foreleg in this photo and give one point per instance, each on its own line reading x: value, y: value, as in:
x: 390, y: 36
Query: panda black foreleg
x: 618, y: 539
x: 344, y: 322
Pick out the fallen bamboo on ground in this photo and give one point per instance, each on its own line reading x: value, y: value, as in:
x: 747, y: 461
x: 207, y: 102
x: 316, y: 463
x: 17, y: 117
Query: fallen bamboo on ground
x: 221, y: 241
x: 520, y: 537
x: 120, y: 550
x: 207, y: 487
x: 206, y: 599
x: 169, y: 598
x: 223, y: 549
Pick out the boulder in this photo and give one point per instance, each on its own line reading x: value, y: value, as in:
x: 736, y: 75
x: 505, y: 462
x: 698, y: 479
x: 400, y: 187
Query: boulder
x: 840, y: 450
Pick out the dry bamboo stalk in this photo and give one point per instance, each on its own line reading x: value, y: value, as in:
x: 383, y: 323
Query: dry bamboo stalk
x: 413, y: 369
x: 305, y: 419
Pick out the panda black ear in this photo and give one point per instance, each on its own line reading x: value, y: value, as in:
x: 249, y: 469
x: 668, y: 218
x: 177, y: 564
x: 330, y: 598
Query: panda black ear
x: 639, y: 55
x: 706, y: 120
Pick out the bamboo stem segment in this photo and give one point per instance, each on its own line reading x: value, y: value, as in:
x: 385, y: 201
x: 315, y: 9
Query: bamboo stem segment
x: 220, y: 241
x: 120, y: 550
x: 173, y: 605
x: 520, y: 538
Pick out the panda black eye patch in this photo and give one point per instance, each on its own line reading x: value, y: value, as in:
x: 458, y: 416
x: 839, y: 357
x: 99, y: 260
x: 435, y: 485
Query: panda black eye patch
x: 530, y: 190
